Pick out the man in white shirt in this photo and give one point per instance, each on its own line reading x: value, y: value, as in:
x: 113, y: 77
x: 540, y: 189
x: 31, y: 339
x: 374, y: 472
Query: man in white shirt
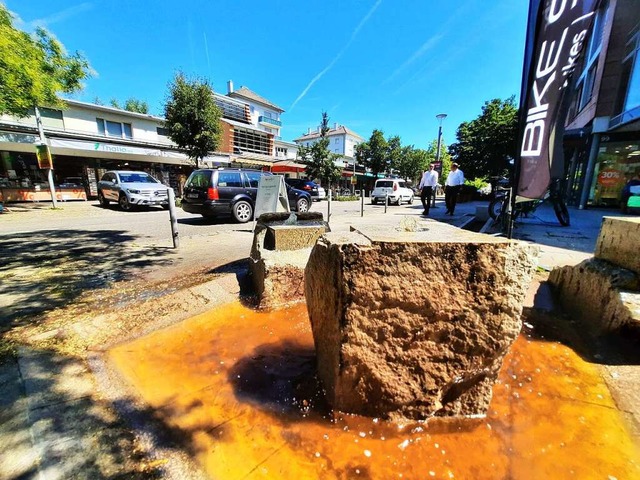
x: 455, y: 180
x: 427, y: 186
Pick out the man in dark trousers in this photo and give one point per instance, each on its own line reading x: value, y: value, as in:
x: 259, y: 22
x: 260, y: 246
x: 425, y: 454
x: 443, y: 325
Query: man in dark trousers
x: 427, y: 187
x: 455, y: 180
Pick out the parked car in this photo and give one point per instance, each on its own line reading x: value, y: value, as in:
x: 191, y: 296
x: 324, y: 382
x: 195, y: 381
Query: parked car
x: 231, y: 191
x: 130, y: 189
x: 395, y: 188
x: 312, y: 188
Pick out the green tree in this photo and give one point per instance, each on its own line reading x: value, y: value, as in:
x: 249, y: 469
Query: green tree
x: 373, y: 153
x: 486, y: 144
x: 135, y: 105
x: 412, y: 163
x: 35, y: 69
x: 394, y: 152
x: 445, y: 159
x: 321, y: 163
x: 115, y: 103
x: 192, y: 117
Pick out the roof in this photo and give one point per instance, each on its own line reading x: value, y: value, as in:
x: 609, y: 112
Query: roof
x: 119, y: 111
x: 341, y: 130
x: 244, y: 92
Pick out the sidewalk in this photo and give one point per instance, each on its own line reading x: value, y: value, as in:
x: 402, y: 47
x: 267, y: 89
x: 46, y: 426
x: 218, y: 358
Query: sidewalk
x: 63, y: 416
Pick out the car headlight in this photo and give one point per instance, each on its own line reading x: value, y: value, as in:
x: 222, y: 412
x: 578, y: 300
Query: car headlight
x: 133, y: 190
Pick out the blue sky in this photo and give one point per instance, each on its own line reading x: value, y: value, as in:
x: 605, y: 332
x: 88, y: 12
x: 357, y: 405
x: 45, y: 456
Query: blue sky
x: 387, y: 64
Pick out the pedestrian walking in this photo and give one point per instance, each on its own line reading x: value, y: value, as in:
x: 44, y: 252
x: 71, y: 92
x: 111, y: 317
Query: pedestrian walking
x: 428, y: 185
x: 455, y: 180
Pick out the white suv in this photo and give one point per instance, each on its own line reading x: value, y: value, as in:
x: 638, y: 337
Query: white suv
x: 395, y: 188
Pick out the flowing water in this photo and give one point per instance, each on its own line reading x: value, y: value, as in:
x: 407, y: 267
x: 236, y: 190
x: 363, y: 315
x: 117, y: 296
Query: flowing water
x: 239, y: 388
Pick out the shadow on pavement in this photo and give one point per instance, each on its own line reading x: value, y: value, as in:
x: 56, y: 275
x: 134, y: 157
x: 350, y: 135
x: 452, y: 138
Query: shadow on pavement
x: 69, y: 431
x: 42, y: 271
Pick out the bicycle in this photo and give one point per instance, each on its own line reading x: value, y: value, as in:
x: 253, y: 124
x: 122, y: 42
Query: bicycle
x: 499, y: 206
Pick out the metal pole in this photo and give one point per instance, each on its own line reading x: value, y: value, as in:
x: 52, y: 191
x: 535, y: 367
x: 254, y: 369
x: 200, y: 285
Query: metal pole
x: 386, y: 202
x: 329, y: 205
x: 362, y: 202
x: 435, y: 189
x: 588, y: 176
x: 353, y: 184
x: 43, y: 139
x: 172, y: 217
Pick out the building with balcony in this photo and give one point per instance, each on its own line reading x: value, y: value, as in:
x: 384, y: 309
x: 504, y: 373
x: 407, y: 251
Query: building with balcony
x: 602, y: 135
x: 86, y: 140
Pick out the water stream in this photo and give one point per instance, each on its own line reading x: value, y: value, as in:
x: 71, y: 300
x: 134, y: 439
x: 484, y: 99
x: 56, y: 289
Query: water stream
x: 239, y: 387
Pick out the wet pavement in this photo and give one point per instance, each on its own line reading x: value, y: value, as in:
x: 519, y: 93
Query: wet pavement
x: 240, y: 387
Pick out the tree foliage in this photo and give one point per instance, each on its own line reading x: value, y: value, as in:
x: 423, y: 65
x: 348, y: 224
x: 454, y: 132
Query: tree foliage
x: 192, y: 117
x: 319, y: 160
x: 34, y: 69
x: 374, y: 153
x: 445, y: 158
x: 135, y: 105
x: 412, y: 163
x: 486, y: 144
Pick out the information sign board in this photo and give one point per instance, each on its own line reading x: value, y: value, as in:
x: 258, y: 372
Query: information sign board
x: 272, y: 195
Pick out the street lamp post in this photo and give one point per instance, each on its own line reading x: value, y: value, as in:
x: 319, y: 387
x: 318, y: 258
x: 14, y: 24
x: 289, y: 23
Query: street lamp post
x: 440, y: 117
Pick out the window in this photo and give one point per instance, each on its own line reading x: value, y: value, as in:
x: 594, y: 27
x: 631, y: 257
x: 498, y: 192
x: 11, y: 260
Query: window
x: 632, y: 65
x: 200, y: 179
x: 229, y: 179
x: 586, y: 80
x: 162, y: 131
x: 253, y: 179
x: 114, y: 129
x: 51, y: 118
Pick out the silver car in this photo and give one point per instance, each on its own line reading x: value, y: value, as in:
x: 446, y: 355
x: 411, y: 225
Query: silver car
x: 130, y: 189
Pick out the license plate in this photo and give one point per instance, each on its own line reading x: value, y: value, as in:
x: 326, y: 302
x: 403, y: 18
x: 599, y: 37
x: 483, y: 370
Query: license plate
x: 192, y: 195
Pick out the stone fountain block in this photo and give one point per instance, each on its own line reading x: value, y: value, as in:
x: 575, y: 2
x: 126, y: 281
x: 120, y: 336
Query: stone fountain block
x: 279, y: 254
x: 618, y: 242
x: 414, y: 324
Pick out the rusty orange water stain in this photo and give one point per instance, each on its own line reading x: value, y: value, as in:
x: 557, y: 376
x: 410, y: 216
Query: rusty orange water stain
x: 239, y: 387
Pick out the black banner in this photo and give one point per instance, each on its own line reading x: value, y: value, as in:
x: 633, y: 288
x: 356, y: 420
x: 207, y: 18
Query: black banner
x: 556, y: 33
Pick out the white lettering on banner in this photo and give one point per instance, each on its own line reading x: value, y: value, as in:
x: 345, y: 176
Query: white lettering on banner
x: 532, y: 140
x: 555, y: 15
x: 550, y: 67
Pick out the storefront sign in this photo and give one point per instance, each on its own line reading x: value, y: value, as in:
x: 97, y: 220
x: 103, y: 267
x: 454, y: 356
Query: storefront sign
x: 43, y: 154
x: 610, y: 177
x: 113, y: 148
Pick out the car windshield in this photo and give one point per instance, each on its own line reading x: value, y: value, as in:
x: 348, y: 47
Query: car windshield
x: 137, y: 178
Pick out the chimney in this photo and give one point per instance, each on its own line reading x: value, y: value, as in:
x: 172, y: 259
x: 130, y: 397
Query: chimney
x: 335, y: 126
x: 230, y: 86
x: 308, y: 130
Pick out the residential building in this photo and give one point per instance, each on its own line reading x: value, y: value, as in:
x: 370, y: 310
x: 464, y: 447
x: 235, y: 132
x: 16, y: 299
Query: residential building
x: 602, y: 137
x: 86, y: 140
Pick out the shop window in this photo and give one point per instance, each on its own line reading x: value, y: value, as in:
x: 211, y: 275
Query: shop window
x: 114, y: 129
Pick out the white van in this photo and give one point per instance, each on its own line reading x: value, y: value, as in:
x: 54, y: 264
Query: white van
x: 395, y: 188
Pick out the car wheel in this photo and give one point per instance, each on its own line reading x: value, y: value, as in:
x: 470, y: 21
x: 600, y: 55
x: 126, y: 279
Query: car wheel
x: 242, y: 211
x: 165, y: 207
x: 374, y: 201
x: 123, y: 202
x: 104, y: 203
x: 302, y: 205
x: 411, y: 200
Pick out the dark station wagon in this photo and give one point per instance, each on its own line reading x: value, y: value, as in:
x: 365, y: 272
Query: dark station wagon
x: 219, y: 192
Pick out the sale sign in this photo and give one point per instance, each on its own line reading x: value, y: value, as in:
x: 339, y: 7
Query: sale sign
x: 610, y: 177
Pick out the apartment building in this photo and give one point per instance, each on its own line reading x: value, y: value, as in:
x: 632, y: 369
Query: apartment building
x: 602, y: 137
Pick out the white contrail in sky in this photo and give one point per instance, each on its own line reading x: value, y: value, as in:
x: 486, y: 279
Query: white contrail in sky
x: 61, y: 15
x: 426, y: 46
x: 206, y: 51
x: 337, y: 57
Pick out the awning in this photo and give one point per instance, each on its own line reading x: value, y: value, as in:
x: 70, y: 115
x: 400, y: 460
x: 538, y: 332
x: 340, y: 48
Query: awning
x: 284, y: 166
x: 251, y: 161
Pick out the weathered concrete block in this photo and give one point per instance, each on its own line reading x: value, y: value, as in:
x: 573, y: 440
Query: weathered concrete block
x: 414, y: 324
x: 618, y: 242
x: 598, y: 293
x: 279, y: 255
x: 292, y: 237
